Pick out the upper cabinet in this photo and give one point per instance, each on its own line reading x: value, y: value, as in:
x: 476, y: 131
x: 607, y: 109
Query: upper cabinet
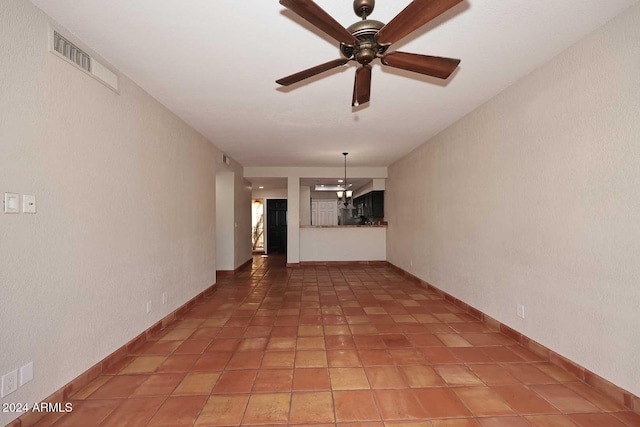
x: 371, y: 204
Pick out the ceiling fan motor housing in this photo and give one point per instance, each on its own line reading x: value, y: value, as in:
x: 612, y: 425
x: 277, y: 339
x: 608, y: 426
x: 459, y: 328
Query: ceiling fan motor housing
x: 367, y: 48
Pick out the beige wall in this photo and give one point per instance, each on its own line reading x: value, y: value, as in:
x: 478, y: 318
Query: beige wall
x: 125, y: 195
x: 534, y: 199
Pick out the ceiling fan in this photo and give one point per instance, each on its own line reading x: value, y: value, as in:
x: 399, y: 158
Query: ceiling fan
x: 368, y: 39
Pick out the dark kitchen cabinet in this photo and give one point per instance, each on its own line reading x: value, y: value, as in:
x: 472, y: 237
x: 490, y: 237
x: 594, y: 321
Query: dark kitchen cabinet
x: 371, y: 204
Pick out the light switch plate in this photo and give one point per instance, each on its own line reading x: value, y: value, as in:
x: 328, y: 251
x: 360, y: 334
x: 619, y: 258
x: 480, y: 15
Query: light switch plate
x: 11, y: 203
x: 28, y: 203
x: 26, y: 373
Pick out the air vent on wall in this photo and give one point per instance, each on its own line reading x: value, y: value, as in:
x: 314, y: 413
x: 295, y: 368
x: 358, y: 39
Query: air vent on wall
x: 65, y: 49
x: 72, y: 52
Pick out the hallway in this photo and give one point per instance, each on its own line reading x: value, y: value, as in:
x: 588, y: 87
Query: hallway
x: 334, y: 346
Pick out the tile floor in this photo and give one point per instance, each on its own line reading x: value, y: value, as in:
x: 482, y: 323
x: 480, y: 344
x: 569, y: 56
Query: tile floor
x: 334, y: 346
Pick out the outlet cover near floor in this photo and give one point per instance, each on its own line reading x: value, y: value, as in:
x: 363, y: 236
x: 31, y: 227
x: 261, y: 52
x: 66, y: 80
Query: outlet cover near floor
x: 520, y: 310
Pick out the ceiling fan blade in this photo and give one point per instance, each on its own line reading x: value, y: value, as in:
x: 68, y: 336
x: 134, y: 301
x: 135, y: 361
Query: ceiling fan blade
x: 414, y: 16
x: 361, y: 86
x: 434, y: 66
x: 313, y: 13
x: 295, y: 78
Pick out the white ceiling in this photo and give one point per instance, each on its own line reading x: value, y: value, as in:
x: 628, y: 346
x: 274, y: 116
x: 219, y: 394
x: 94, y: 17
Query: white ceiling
x: 214, y: 63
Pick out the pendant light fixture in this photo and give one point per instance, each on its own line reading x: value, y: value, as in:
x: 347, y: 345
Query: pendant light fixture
x: 345, y: 195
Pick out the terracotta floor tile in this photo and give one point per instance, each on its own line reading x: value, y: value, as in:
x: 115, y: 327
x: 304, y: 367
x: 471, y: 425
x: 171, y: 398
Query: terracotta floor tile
x: 348, y: 379
x: 523, y: 400
x: 178, y: 363
x: 205, y: 333
x: 256, y: 331
x: 408, y: 424
x: 453, y: 340
x: 273, y: 380
x: 310, y: 343
x: 441, y: 403
x: 563, y: 398
x: 177, y: 334
x: 339, y: 342
x: 398, y: 405
x: 158, y: 385
x: 471, y: 354
x: 343, y: 359
x: 231, y: 332
x: 424, y: 340
x: 421, y: 376
x: 529, y: 374
x: 483, y: 402
x: 310, y: 331
x: 458, y: 422
x: 458, y: 375
x: 223, y: 344
x: 385, y: 377
x: 245, y: 360
x: 278, y: 359
x: 159, y: 348
x: 596, y: 420
x: 191, y: 346
x: 223, y: 410
x: 284, y: 331
x: 143, y: 364
x: 211, y: 362
x: 366, y: 342
x: 311, y: 379
x: 197, y: 383
x: 89, y: 412
x: 178, y: 411
x: 134, y: 412
x: 600, y: 400
x: 503, y: 422
x: 267, y: 409
x: 240, y: 381
x: 556, y: 372
x: 407, y: 357
x: 119, y: 387
x: 91, y: 387
x: 493, y: 374
x: 438, y: 355
x: 355, y: 406
x: 311, y: 359
x: 502, y: 354
x: 252, y: 344
x: 628, y: 417
x: 375, y: 358
x: 316, y: 407
x: 281, y: 343
x: 551, y: 421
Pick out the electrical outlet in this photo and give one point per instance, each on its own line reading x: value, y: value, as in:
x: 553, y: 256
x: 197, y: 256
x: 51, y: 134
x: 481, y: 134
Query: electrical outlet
x: 164, y: 298
x: 148, y: 306
x: 9, y: 383
x: 520, y: 310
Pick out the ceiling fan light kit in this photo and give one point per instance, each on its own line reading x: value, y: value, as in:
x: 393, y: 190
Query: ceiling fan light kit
x: 368, y: 39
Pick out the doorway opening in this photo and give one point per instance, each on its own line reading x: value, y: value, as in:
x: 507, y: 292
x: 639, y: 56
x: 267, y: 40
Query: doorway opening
x: 257, y: 225
x: 276, y: 226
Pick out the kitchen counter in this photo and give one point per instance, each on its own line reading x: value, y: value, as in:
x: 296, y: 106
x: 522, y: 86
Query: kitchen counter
x: 345, y: 226
x: 343, y: 243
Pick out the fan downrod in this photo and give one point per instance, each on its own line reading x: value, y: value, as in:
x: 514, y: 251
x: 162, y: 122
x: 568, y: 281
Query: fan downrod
x: 363, y: 8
